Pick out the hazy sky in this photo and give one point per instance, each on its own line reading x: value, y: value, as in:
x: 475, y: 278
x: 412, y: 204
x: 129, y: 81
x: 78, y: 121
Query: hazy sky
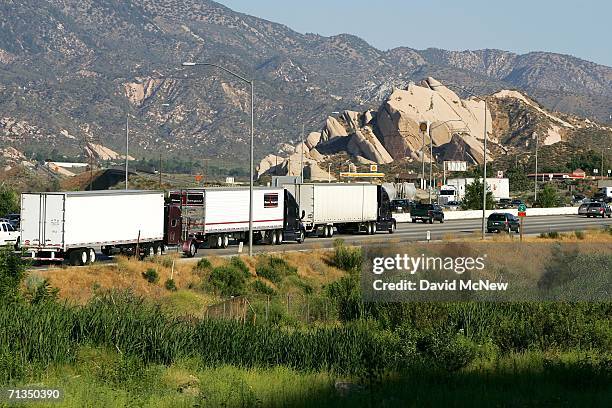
x: 581, y: 28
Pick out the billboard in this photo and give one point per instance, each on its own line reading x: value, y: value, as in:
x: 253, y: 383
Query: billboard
x: 455, y: 165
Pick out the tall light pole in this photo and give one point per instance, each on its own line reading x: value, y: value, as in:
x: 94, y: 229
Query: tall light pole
x: 429, y: 129
x: 424, y: 128
x: 249, y: 82
x: 535, y: 190
x: 484, y: 178
x: 127, y: 147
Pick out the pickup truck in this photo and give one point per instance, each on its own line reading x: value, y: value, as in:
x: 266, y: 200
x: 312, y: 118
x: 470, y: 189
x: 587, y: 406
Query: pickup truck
x: 8, y: 235
x: 427, y: 213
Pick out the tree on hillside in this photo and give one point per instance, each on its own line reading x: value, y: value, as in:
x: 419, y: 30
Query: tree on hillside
x: 585, y: 161
x: 473, y: 196
x: 549, y: 197
x: 9, y: 201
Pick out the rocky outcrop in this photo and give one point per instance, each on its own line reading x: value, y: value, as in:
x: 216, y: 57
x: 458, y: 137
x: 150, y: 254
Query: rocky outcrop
x: 138, y: 92
x: 332, y: 129
x: 313, y: 139
x: 364, y: 143
x: 99, y: 152
x: 399, y: 117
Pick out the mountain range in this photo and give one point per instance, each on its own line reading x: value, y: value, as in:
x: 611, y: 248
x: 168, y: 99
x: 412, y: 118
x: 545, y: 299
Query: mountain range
x: 72, y: 70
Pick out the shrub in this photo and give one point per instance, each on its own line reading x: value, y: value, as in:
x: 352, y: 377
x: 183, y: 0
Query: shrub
x: 238, y: 263
x: 579, y: 234
x: 347, y: 258
x: 41, y: 292
x: 447, y: 351
x: 263, y: 288
x: 203, y: 264
x: 228, y: 280
x: 170, y: 285
x: 12, y: 273
x: 151, y: 275
x: 273, y: 268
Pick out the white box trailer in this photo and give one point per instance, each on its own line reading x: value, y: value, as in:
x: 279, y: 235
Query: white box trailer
x: 218, y: 215
x: 70, y: 225
x: 348, y: 207
x: 499, y: 187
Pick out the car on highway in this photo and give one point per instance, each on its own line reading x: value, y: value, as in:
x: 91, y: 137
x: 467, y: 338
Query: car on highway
x: 596, y: 209
x: 516, y: 202
x: 505, y: 203
x: 13, y: 219
x: 427, y: 213
x: 453, y: 205
x: 401, y: 205
x: 8, y: 234
x: 506, y: 222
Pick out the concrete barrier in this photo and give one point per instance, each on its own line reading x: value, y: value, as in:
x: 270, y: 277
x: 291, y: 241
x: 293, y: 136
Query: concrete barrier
x: 473, y: 214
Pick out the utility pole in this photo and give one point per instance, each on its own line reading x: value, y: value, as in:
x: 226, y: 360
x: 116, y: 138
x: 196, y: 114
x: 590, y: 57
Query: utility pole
x: 302, y: 156
x: 535, y: 191
x: 160, y: 171
x: 127, y: 147
x: 430, y: 163
x: 424, y: 128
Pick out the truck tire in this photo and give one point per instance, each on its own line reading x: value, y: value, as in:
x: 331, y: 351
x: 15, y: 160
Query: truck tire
x: 414, y: 220
x: 442, y: 220
x: 83, y: 257
x: 91, y: 256
x: 73, y: 257
x: 193, y: 250
x: 17, y: 243
x: 331, y: 231
x: 159, y: 249
x: 150, y: 251
x: 301, y: 237
x: 374, y: 227
x: 431, y: 220
x: 272, y: 239
x: 392, y: 228
x: 279, y: 237
x: 225, y: 240
x: 212, y: 242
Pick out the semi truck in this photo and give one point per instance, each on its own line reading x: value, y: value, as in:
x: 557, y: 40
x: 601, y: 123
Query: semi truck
x: 60, y: 226
x: 347, y: 207
x: 220, y: 215
x: 454, y: 189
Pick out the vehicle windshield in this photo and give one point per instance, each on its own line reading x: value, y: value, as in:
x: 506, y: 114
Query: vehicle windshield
x: 497, y: 217
x: 447, y: 192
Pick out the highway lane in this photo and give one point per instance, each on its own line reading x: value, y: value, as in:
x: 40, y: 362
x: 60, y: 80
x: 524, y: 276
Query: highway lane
x: 418, y: 232
x: 405, y: 232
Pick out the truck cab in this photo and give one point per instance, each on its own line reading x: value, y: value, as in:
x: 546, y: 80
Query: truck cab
x: 385, y: 220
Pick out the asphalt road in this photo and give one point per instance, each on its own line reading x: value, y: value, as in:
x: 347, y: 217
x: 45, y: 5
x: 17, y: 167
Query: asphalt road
x: 405, y: 232
x: 418, y: 232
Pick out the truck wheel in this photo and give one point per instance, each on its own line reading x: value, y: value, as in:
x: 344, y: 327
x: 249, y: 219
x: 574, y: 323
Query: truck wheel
x: 219, y: 241
x: 212, y: 242
x: 73, y: 258
x: 442, y: 220
x: 373, y: 227
x: 392, y: 228
x: 225, y: 241
x: 150, y: 251
x: 414, y: 220
x: 17, y: 243
x: 192, y: 250
x: 301, y: 237
x: 83, y: 256
x: 159, y: 249
x: 272, y: 239
x: 91, y: 256
x: 431, y: 220
x: 279, y: 237
x: 331, y: 231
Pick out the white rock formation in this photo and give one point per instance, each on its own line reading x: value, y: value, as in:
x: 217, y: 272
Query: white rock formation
x: 332, y: 129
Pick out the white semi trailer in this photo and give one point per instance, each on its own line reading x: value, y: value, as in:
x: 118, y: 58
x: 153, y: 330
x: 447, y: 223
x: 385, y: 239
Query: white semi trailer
x: 219, y: 215
x: 348, y: 207
x: 454, y: 189
x: 69, y: 226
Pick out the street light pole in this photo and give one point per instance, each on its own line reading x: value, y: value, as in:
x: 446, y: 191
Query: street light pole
x: 249, y: 82
x: 127, y: 147
x: 535, y: 191
x: 484, y: 178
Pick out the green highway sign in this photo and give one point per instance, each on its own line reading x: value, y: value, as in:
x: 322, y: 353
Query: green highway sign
x: 522, y: 208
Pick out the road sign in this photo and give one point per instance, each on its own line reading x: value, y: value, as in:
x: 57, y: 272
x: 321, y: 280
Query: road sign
x: 522, y: 214
x: 522, y: 207
x: 373, y: 168
x: 500, y: 174
x: 455, y: 165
